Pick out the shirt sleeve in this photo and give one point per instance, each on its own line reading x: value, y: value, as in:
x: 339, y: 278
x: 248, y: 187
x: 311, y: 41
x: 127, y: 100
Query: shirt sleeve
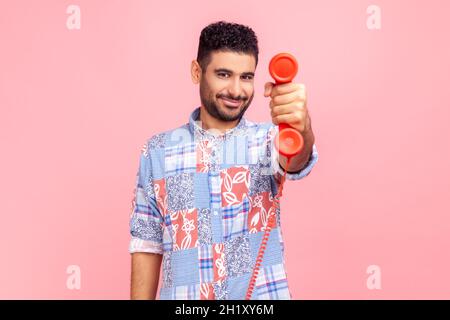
x: 146, y: 222
x: 278, y: 171
x: 314, y: 156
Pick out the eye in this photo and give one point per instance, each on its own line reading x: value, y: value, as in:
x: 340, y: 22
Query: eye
x: 223, y: 75
x: 249, y: 77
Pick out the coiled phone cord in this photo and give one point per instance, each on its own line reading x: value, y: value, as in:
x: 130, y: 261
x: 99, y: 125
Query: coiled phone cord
x: 270, y: 221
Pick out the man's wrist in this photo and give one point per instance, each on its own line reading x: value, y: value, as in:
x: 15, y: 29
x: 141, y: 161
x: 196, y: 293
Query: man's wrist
x: 303, y: 167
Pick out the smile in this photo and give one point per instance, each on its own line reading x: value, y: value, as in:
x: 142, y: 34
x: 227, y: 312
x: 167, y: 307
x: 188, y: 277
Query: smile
x: 231, y: 103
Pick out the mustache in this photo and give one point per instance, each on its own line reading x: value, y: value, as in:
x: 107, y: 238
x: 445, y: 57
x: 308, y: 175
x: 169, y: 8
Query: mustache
x: 238, y: 98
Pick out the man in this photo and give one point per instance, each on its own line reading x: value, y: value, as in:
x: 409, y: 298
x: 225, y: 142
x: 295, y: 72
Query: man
x: 204, y: 191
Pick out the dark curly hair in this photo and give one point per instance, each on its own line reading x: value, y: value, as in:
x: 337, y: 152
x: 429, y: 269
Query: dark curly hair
x: 226, y: 36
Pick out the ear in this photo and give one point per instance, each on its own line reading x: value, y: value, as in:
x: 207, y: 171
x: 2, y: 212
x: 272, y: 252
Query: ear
x: 196, y: 72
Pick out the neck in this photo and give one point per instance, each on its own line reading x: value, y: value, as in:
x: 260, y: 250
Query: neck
x: 209, y: 122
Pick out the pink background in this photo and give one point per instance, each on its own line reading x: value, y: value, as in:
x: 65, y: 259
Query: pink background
x: 77, y: 105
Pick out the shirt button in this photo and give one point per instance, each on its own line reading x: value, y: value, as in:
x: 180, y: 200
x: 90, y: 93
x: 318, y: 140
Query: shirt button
x: 216, y: 212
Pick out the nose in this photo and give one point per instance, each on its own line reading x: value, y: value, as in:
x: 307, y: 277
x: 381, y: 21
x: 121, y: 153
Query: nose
x: 235, y: 88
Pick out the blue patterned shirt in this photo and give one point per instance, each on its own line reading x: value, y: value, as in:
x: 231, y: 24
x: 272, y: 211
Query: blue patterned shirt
x: 202, y: 200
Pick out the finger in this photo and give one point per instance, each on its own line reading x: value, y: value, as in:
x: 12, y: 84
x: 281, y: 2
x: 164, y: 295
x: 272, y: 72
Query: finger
x: 268, y: 89
x: 285, y: 88
x: 280, y: 110
x: 284, y: 118
x: 294, y: 106
x: 289, y: 97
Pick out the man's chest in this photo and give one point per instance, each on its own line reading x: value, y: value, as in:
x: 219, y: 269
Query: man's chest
x: 207, y: 195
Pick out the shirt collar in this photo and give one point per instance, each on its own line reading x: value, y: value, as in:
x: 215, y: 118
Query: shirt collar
x: 196, y: 128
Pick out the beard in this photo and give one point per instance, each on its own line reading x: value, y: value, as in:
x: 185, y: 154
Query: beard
x: 222, y: 113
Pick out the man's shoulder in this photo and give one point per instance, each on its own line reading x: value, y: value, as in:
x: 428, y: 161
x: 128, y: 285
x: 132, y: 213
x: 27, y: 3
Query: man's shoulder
x: 169, y: 138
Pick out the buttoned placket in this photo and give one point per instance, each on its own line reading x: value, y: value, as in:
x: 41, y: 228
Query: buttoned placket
x: 216, y: 142
x: 215, y: 188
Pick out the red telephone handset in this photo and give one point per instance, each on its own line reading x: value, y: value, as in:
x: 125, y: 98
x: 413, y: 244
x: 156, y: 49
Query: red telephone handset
x: 283, y: 67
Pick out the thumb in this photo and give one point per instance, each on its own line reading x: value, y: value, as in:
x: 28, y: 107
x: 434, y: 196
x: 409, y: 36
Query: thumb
x: 268, y: 89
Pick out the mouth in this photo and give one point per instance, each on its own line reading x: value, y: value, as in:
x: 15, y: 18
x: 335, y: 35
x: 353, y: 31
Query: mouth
x: 230, y: 103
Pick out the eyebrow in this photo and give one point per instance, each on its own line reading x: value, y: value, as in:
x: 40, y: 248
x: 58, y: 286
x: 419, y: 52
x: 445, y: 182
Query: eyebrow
x: 231, y: 72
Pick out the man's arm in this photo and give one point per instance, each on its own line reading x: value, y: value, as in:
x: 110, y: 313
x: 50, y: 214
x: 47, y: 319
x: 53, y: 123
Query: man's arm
x: 145, y: 268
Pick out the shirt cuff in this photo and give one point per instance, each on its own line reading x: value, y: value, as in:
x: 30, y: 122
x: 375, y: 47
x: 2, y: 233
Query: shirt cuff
x: 314, y: 157
x: 140, y: 245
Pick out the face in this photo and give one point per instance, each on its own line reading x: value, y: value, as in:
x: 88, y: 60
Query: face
x: 227, y: 86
